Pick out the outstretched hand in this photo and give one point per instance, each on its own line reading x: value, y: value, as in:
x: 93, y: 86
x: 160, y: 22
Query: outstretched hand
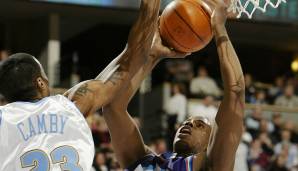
x: 219, y: 14
x: 159, y: 50
x: 218, y: 11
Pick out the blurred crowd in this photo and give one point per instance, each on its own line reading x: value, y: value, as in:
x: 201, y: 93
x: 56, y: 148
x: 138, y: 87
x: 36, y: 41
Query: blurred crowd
x: 268, y: 144
x: 282, y: 91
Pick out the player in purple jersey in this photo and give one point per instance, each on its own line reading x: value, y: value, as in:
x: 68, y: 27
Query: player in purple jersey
x: 192, y: 138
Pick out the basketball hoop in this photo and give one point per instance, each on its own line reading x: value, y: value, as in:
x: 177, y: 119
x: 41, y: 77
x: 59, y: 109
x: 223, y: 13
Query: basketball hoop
x: 248, y: 7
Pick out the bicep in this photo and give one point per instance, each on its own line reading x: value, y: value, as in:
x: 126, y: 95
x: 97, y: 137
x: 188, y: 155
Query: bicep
x: 88, y: 96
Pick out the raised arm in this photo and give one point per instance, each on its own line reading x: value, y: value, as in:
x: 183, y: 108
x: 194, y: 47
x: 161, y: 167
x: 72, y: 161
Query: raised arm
x: 229, y: 118
x: 126, y: 138
x: 91, y: 95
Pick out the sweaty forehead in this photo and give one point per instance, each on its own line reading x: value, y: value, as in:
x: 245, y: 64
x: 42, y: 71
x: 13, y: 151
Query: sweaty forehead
x: 200, y: 118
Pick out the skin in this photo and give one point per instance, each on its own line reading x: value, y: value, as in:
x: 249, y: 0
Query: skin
x: 92, y: 95
x: 127, y: 140
x: 192, y: 137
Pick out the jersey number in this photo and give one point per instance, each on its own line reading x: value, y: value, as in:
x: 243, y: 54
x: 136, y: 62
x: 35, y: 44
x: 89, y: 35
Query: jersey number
x: 66, y: 156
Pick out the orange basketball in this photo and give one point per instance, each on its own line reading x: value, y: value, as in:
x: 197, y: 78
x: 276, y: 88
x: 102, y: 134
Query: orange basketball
x: 185, y: 26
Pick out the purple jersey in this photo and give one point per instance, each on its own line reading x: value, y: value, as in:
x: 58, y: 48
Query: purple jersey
x: 163, y: 162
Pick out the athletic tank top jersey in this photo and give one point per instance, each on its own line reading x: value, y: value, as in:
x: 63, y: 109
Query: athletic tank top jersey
x: 164, y: 162
x: 49, y: 135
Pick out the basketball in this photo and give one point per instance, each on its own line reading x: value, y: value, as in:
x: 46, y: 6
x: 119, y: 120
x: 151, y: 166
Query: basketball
x: 185, y: 26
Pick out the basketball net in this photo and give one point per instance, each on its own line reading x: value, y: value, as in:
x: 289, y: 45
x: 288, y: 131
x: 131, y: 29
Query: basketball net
x: 248, y: 7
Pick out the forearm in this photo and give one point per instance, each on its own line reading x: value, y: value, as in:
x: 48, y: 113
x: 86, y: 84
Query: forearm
x: 230, y: 66
x: 126, y: 138
x: 144, y: 28
x: 140, y: 38
x: 229, y: 118
x: 137, y: 80
x: 127, y: 93
x: 231, y: 110
x: 120, y: 71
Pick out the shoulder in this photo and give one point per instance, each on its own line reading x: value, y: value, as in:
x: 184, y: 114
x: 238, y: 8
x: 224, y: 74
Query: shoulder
x: 60, y: 99
x: 65, y: 103
x: 89, y: 95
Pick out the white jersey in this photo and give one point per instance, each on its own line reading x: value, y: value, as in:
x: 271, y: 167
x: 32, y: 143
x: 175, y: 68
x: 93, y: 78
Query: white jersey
x: 49, y: 135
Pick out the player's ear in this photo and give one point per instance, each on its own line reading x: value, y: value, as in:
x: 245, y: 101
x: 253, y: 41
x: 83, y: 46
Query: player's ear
x: 43, y: 86
x: 41, y: 83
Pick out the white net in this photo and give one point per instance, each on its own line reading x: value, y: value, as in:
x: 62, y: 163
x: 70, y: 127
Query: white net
x: 248, y: 7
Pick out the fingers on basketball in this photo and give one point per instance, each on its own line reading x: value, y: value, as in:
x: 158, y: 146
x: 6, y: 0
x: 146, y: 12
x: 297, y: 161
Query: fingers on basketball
x: 185, y: 26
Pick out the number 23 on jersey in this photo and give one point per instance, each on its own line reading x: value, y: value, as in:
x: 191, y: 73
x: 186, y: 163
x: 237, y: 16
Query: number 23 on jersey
x: 66, y: 156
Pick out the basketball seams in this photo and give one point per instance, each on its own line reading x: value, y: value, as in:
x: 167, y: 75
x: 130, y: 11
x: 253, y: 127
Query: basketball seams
x: 200, y: 8
x: 173, y: 37
x: 207, y: 16
x: 189, y: 26
x: 186, y: 26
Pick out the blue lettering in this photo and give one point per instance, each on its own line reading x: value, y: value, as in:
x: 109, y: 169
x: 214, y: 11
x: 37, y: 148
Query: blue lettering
x: 63, y: 122
x: 41, y: 124
x: 20, y: 129
x: 31, y: 128
x: 53, y: 123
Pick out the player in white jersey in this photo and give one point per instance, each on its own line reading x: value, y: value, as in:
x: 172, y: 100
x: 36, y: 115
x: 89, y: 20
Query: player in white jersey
x: 192, y: 150
x: 38, y: 135
x: 40, y: 132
